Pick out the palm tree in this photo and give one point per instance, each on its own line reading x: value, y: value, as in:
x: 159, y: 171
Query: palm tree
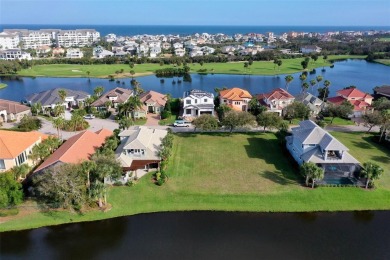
x: 326, y: 84
x: 98, y: 91
x: 59, y: 110
x: 132, y: 104
x: 125, y: 123
x: 88, y: 72
x: 107, y: 104
x: 304, y: 86
x: 311, y: 171
x: 319, y: 79
x: 62, y: 94
x: 302, y: 77
x: 137, y: 88
x: 313, y: 82
x: 58, y: 123
x: 288, y: 80
x: 372, y: 172
x: 87, y: 167
x: 21, y: 171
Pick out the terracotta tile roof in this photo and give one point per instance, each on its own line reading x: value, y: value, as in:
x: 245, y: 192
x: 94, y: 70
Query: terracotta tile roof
x: 358, y: 105
x: 336, y: 100
x: 277, y: 94
x: 13, y: 143
x: 153, y: 97
x: 235, y: 94
x: 12, y: 106
x: 77, y: 148
x: 353, y: 93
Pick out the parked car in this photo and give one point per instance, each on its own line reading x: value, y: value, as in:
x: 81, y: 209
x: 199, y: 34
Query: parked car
x: 89, y: 116
x: 181, y: 123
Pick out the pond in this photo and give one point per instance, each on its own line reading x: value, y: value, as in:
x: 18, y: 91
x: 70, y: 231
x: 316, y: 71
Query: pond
x: 359, y: 73
x: 209, y: 235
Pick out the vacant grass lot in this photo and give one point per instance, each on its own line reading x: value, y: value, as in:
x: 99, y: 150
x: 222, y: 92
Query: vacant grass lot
x: 338, y: 121
x: 258, y: 68
x: 238, y: 172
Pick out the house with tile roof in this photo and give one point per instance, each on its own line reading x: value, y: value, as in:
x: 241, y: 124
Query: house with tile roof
x: 312, y: 102
x: 276, y: 100
x: 15, y: 147
x: 76, y: 149
x: 50, y: 98
x: 236, y: 98
x: 12, y: 111
x: 153, y: 102
x: 115, y: 96
x: 311, y: 143
x: 197, y: 102
x: 139, y: 148
x: 361, y: 101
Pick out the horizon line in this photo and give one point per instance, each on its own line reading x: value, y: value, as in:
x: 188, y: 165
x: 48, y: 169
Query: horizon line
x: 183, y: 25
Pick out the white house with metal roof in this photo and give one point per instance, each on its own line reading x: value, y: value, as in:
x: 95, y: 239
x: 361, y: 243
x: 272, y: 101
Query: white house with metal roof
x: 197, y: 102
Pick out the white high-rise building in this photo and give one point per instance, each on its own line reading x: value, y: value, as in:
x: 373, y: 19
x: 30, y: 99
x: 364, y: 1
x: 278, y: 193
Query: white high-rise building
x: 9, y: 40
x: 78, y: 37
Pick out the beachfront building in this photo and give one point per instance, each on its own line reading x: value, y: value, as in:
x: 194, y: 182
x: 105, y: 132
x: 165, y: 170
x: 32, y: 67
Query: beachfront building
x: 78, y: 37
x: 14, y: 54
x: 9, y: 40
x: 15, y: 147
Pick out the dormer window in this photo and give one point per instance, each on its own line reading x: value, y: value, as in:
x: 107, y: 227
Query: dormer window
x: 188, y: 102
x: 205, y: 100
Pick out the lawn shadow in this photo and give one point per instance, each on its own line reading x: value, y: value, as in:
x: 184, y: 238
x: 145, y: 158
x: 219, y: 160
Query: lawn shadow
x: 273, y: 152
x: 234, y: 70
x: 362, y: 145
x: 277, y: 177
x: 381, y: 159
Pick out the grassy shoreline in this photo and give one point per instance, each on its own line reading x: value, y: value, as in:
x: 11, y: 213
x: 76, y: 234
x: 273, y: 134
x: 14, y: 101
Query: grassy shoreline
x: 266, y: 68
x: 250, y: 175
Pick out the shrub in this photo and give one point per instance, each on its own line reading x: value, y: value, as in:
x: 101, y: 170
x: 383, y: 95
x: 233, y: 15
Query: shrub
x: 29, y: 123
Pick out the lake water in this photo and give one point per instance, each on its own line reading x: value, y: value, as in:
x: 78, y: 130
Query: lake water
x: 209, y: 235
x: 360, y: 73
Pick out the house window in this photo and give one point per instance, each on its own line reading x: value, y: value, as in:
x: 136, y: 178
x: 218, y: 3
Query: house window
x: 188, y: 111
x: 2, y: 164
x: 196, y: 101
x: 205, y: 100
x: 188, y: 102
x: 20, y: 159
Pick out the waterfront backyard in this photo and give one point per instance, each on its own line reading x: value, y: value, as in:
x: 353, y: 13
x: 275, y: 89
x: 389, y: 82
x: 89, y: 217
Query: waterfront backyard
x: 238, y: 172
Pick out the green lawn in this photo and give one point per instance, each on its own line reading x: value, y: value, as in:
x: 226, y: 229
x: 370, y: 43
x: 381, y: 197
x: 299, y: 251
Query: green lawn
x: 168, y: 121
x: 384, y: 61
x: 140, y: 121
x: 258, y: 68
x: 238, y: 172
x: 384, y: 39
x: 338, y: 121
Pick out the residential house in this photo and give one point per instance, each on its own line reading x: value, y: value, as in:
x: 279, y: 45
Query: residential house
x: 76, y: 149
x: 114, y: 97
x: 43, y: 50
x: 361, y: 101
x: 228, y: 50
x: 180, y: 52
x: 14, y: 54
x: 310, y: 49
x: 15, y: 148
x: 197, y: 102
x: 236, y: 98
x: 50, y: 98
x: 311, y: 143
x: 166, y: 45
x: 139, y: 149
x: 99, y: 52
x: 153, y: 102
x: 178, y: 45
x: 383, y: 91
x: 276, y: 100
x: 155, y: 51
x: 74, y: 53
x: 207, y: 50
x: 142, y: 49
x: 58, y: 51
x: 12, y: 111
x: 314, y: 103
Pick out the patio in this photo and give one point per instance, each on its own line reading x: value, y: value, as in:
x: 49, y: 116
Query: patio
x: 341, y: 174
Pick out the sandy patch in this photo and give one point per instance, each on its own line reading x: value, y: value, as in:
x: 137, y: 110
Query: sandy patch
x: 76, y: 70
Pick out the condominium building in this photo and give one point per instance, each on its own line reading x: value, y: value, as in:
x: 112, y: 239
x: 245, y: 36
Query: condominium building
x: 14, y: 54
x: 9, y: 40
x: 47, y: 37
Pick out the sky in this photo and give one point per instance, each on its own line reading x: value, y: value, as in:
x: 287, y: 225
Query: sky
x: 197, y: 12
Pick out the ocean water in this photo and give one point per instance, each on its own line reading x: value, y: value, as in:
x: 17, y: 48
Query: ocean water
x: 128, y: 30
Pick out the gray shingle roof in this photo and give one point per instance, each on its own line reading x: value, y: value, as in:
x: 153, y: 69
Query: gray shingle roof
x: 51, y: 96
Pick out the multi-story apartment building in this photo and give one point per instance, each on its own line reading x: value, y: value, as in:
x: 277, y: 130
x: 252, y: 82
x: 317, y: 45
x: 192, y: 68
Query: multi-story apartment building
x: 46, y: 37
x: 14, y: 54
x: 9, y: 40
